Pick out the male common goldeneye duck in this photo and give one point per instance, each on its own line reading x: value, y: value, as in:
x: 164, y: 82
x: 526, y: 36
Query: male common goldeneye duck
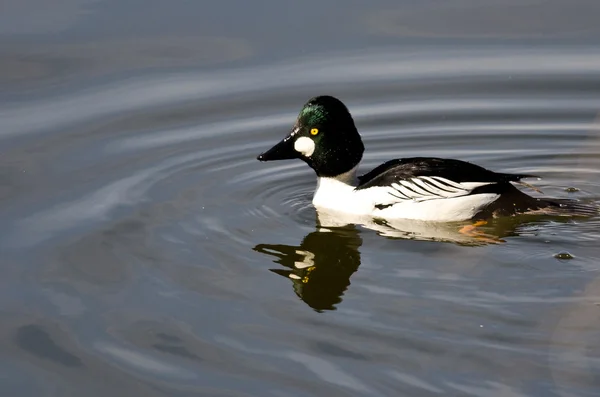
x: 419, y: 188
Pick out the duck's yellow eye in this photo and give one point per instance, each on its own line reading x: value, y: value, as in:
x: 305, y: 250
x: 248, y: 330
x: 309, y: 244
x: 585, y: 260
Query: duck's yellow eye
x: 314, y: 131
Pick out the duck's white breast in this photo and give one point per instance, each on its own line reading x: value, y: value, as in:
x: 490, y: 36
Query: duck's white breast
x: 334, y: 194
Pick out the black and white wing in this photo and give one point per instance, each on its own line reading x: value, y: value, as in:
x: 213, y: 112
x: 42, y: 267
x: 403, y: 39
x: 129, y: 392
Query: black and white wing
x: 421, y: 179
x: 422, y: 188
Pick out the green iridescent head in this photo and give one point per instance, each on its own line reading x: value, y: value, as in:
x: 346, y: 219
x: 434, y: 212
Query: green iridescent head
x: 324, y: 136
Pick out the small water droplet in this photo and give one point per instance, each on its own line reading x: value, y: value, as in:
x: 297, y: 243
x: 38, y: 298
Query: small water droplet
x: 571, y: 189
x: 564, y: 255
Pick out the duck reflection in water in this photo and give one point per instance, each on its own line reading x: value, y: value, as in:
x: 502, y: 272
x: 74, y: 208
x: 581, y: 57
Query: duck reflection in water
x: 321, y: 266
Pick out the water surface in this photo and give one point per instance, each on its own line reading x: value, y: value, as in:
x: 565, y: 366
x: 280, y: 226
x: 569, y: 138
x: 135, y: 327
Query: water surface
x: 145, y: 251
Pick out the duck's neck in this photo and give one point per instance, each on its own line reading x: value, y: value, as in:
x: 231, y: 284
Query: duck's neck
x: 348, y: 178
x: 332, y: 191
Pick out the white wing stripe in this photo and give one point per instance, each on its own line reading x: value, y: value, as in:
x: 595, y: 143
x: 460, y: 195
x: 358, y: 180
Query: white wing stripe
x: 473, y: 185
x: 448, y: 182
x: 397, y: 190
x: 432, y: 192
x: 416, y: 188
x: 441, y: 186
x: 461, y: 185
x: 430, y: 187
x: 410, y: 194
x: 398, y: 193
x: 425, y: 186
x: 407, y: 192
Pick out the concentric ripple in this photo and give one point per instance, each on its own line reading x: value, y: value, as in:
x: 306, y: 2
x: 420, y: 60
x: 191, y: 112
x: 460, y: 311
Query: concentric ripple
x: 469, y: 111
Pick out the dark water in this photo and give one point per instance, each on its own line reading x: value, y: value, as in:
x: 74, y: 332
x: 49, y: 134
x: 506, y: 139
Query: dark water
x: 145, y: 251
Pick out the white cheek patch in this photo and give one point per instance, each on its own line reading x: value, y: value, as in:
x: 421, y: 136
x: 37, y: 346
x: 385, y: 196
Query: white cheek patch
x: 304, y: 145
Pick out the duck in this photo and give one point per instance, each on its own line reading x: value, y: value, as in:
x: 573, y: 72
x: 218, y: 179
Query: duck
x: 430, y: 189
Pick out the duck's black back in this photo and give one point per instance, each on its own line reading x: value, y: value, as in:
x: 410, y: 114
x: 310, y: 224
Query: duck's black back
x: 455, y: 170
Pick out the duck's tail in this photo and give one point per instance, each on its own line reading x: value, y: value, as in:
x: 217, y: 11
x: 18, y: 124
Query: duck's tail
x: 514, y: 202
x: 562, y: 207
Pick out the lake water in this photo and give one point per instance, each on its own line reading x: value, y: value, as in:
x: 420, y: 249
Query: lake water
x: 146, y: 252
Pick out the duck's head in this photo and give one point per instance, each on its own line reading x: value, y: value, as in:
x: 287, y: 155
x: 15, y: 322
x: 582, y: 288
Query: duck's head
x: 324, y: 136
